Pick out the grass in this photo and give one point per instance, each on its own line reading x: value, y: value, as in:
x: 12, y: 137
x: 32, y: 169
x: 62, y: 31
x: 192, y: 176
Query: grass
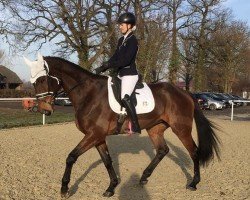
x: 10, y: 118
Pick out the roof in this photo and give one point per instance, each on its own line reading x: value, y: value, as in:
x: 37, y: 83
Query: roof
x: 10, y: 75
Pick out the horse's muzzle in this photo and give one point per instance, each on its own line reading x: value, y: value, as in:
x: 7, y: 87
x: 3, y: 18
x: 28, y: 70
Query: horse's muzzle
x: 46, y: 106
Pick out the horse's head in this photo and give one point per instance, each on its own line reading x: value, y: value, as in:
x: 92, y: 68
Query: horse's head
x: 46, y: 86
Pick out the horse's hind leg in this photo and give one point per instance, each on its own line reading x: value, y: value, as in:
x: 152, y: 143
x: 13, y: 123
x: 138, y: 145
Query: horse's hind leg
x: 104, y: 153
x: 156, y: 135
x: 186, y: 138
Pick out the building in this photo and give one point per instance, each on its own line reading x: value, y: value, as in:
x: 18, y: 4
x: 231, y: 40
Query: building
x: 9, y: 79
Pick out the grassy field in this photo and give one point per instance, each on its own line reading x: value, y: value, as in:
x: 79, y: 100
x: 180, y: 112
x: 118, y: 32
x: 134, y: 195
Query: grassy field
x: 14, y: 116
x: 17, y: 117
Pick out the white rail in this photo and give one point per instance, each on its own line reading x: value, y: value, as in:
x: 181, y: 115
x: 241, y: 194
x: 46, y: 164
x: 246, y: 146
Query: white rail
x: 236, y: 101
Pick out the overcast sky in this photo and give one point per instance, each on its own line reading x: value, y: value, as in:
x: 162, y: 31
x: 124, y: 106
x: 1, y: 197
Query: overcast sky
x: 240, y: 8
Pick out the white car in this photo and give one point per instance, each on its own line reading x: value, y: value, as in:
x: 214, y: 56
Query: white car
x: 215, y: 105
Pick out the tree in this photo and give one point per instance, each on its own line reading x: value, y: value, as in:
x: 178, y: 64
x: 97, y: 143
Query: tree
x: 74, y: 26
x: 179, y: 16
x: 1, y: 56
x: 205, y: 12
x: 188, y: 55
x: 229, y: 48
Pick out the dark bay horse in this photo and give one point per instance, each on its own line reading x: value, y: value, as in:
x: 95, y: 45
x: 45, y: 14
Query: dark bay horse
x: 88, y: 92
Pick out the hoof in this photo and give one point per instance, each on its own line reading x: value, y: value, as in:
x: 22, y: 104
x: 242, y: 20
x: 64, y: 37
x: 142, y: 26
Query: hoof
x: 64, y: 192
x: 108, y: 194
x: 143, y: 182
x: 192, y: 188
x: 65, y: 195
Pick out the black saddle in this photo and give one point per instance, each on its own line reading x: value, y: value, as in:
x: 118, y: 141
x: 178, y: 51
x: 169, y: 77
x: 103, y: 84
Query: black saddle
x: 116, y: 86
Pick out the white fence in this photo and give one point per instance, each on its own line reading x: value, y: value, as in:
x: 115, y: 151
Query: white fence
x: 232, y: 108
x: 21, y: 99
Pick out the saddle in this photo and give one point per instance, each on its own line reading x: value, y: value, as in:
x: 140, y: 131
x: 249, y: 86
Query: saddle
x: 116, y: 87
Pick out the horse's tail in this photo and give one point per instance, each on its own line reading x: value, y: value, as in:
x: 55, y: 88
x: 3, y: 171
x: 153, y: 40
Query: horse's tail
x: 207, y: 139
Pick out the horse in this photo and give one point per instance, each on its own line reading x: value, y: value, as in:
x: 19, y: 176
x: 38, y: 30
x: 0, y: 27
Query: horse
x: 88, y: 92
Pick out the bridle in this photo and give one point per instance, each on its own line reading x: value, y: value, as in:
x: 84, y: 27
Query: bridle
x: 41, y: 96
x: 53, y: 94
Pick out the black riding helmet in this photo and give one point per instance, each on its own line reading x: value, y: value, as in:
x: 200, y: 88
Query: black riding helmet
x: 128, y: 18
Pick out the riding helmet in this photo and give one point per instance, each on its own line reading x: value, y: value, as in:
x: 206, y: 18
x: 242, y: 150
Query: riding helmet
x: 128, y: 18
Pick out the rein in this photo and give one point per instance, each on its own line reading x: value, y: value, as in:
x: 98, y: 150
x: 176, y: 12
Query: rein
x: 70, y: 90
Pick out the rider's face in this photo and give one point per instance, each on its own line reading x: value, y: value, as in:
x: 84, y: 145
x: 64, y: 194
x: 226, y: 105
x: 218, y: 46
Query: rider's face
x: 124, y: 27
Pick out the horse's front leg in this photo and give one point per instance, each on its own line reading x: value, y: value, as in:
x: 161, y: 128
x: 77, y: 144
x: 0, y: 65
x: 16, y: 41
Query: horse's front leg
x: 85, y: 144
x: 104, y: 153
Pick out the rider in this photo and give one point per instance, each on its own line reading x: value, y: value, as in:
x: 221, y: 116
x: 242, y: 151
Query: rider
x: 124, y: 61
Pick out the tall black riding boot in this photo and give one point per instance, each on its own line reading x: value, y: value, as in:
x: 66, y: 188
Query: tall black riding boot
x: 130, y: 108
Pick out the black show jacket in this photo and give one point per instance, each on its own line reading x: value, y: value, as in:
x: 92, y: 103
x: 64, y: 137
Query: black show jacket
x: 124, y: 57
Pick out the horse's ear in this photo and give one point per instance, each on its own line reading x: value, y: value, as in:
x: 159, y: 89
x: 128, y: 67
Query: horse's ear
x: 39, y: 57
x: 28, y: 62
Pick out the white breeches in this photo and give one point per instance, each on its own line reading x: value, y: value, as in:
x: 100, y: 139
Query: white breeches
x: 128, y: 84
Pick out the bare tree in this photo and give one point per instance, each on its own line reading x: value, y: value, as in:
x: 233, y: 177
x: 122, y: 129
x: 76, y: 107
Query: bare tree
x: 179, y: 14
x: 205, y: 12
x: 188, y: 54
x: 74, y: 26
x: 1, y: 56
x: 178, y: 38
x: 229, y: 48
x: 154, y: 53
x: 153, y: 34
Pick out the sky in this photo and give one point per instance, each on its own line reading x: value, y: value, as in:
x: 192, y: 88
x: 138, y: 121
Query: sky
x: 240, y: 11
x: 240, y: 8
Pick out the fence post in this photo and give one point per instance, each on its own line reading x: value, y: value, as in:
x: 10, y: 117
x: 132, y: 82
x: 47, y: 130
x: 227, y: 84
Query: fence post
x: 43, y: 119
x: 232, y: 111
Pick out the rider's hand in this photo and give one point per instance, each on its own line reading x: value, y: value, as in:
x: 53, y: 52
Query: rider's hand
x: 103, y: 68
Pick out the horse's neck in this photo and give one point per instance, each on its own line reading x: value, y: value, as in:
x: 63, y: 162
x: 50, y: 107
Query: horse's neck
x: 77, y: 83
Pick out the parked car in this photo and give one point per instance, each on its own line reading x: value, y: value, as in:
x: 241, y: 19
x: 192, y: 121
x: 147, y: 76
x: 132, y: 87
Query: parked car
x: 213, y: 96
x: 63, y: 100
x: 241, y: 98
x: 218, y: 98
x: 212, y: 104
x: 225, y: 98
x: 202, y: 102
x: 234, y: 98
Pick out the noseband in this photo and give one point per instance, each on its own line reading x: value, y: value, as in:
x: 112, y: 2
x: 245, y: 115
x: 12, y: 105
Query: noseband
x: 40, y: 96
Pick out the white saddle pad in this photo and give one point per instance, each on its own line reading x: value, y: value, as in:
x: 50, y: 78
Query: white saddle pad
x: 144, y: 96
